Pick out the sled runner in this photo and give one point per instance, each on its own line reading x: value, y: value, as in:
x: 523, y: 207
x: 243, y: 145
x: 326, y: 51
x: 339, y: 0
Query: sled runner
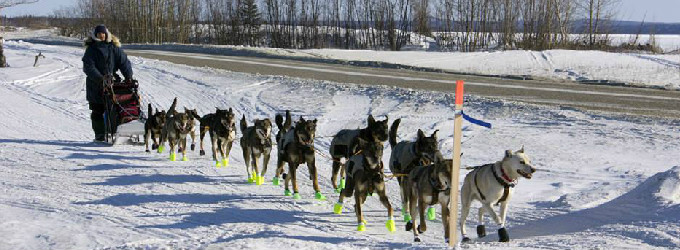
x: 123, y: 116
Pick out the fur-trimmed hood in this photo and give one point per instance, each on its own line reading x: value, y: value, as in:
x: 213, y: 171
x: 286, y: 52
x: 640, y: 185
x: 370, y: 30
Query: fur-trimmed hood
x: 110, y: 38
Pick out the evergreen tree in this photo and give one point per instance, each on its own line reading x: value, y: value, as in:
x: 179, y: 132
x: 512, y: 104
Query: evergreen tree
x: 250, y: 18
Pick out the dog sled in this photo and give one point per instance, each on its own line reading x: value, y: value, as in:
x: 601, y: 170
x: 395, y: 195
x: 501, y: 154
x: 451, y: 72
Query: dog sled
x: 123, y: 116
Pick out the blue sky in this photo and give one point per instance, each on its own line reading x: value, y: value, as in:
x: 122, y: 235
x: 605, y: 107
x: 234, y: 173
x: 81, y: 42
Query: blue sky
x: 635, y: 10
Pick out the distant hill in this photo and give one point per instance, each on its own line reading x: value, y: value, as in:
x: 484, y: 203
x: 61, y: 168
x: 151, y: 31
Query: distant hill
x: 633, y: 27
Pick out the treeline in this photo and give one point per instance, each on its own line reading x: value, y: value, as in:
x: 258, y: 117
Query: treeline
x: 461, y: 25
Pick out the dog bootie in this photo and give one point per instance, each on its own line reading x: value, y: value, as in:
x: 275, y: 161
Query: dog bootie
x: 184, y: 158
x: 173, y: 157
x: 390, y: 225
x: 361, y: 227
x: 431, y: 213
x: 342, y: 184
x: 337, y: 208
x: 275, y: 181
x: 252, y: 178
x: 160, y: 149
x: 225, y: 162
x: 503, y: 235
x: 154, y: 147
x: 466, y: 239
x: 407, y: 218
x: 193, y: 146
x: 286, y: 192
x: 218, y: 164
x: 297, y: 196
x: 201, y: 152
x: 319, y: 196
x: 259, y: 180
x: 481, y: 231
x: 337, y: 190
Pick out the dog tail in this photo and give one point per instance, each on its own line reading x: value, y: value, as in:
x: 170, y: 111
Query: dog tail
x: 289, y: 120
x: 172, y: 111
x: 393, y: 132
x: 244, y: 124
x: 280, y: 123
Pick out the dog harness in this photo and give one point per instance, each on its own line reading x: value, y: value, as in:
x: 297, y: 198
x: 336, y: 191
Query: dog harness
x: 505, y: 181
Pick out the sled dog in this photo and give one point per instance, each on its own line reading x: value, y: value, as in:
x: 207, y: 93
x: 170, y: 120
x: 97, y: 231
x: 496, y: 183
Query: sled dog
x: 256, y: 142
x: 153, y: 128
x: 492, y: 184
x: 344, y: 145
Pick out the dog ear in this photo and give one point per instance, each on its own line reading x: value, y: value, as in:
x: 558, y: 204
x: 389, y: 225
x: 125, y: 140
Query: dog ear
x: 521, y: 150
x: 421, y: 134
x: 371, y: 120
x: 387, y: 118
x: 230, y: 110
x: 508, y: 153
x: 315, y: 120
x: 434, y: 135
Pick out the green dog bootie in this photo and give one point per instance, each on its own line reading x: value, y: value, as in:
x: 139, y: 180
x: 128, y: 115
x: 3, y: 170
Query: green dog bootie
x: 319, y: 196
x: 160, y: 149
x: 173, y: 157
x: 407, y: 217
x: 390, y: 225
x: 337, y: 208
x: 286, y: 192
x: 259, y: 180
x: 431, y: 213
x: 252, y: 178
x: 217, y: 164
x: 296, y: 196
x: 225, y: 162
x: 275, y: 181
x: 361, y: 227
x: 342, y: 184
x: 184, y: 158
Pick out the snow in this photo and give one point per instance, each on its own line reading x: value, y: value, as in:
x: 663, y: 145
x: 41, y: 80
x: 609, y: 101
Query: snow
x: 605, y: 181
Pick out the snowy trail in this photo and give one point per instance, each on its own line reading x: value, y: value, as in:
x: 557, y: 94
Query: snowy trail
x: 62, y: 192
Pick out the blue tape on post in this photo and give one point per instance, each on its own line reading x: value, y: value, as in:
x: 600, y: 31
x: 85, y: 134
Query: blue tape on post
x: 475, y: 121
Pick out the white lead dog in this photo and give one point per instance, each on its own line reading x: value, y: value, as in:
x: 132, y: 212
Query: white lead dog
x: 492, y: 184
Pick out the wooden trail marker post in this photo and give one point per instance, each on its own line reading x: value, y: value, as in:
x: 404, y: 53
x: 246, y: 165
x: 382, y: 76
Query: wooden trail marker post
x: 455, y: 172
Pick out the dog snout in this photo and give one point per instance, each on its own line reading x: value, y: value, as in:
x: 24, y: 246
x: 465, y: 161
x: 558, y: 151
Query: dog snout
x: 533, y: 170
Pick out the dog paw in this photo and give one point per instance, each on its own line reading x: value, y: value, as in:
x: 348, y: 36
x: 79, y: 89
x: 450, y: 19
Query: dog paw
x: 466, y: 240
x: 422, y: 228
x: 154, y: 146
x: 503, y: 235
x: 202, y: 152
x: 481, y: 231
x: 409, y: 226
x: 193, y: 146
x: 416, y: 239
x: 148, y: 151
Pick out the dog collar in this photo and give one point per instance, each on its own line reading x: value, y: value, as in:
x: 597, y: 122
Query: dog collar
x: 505, y: 180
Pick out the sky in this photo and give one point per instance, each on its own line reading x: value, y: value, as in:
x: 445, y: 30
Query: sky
x: 633, y: 10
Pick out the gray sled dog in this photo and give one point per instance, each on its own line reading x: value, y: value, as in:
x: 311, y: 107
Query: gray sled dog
x: 177, y: 126
x: 365, y: 175
x: 492, y: 184
x: 153, y: 128
x: 406, y: 155
x: 344, y: 146
x: 222, y: 128
x: 429, y: 185
x: 296, y: 146
x: 256, y: 142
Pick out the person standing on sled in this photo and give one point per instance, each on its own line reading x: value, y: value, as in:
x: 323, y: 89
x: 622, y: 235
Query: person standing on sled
x: 103, y: 58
